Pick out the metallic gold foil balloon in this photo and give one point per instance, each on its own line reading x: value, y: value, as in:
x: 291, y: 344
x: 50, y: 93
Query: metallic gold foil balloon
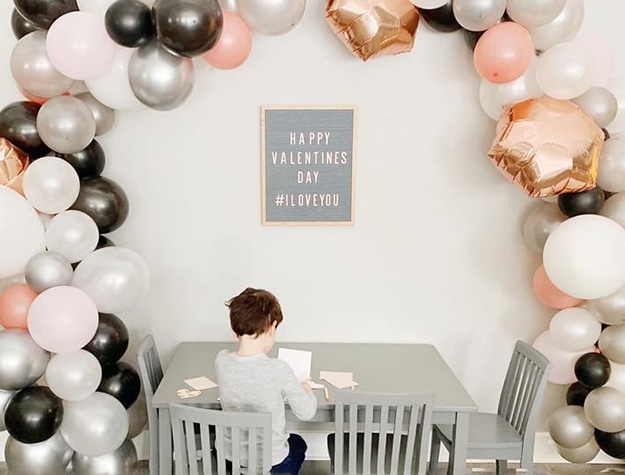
x: 547, y: 146
x: 371, y: 28
x: 13, y: 163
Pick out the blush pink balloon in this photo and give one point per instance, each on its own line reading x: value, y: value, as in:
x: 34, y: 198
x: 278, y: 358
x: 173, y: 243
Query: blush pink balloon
x: 62, y: 319
x: 14, y: 304
x: 503, y: 53
x: 234, y: 45
x: 549, y: 294
x: 79, y: 46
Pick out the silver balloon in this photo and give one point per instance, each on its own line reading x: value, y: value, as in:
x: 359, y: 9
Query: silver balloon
x: 230, y: 5
x: 50, y: 457
x: 583, y: 454
x: 5, y: 398
x: 539, y: 223
x: 614, y: 208
x: 32, y: 69
x: 605, y: 409
x: 104, y: 116
x: 611, y: 173
x: 73, y: 234
x: 534, y: 12
x: 569, y: 427
x: 272, y: 17
x: 159, y: 79
x: 610, y: 309
x: 563, y: 28
x: 478, y: 15
x: 66, y: 124
x: 48, y: 269
x: 612, y: 343
x: 600, y: 104
x: 137, y: 417
x: 120, y: 462
x: 22, y: 361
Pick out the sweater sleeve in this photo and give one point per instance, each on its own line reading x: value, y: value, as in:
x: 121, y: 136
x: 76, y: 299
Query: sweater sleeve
x: 302, y: 403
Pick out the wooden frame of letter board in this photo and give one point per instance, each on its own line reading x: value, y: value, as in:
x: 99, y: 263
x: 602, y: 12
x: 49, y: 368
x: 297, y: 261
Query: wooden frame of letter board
x: 262, y: 171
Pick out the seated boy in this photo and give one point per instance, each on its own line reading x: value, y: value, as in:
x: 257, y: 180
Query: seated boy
x: 250, y: 381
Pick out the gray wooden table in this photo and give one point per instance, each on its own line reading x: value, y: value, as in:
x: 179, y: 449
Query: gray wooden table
x: 390, y: 368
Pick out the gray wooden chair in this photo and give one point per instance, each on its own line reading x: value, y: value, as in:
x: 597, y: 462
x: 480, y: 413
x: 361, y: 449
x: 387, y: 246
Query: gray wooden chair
x: 248, y: 434
x: 151, y: 372
x: 380, y: 433
x: 509, y: 434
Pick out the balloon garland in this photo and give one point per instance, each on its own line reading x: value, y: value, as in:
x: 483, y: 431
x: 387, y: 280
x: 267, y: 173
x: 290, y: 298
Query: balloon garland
x: 549, y: 141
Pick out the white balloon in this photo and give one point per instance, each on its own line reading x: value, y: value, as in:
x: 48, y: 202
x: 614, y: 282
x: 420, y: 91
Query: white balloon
x: 614, y: 208
x: 563, y: 28
x: 611, y: 173
x: 585, y: 257
x: 51, y: 185
x: 534, y: 12
x: 73, y: 234
x: 612, y: 345
x: 583, y: 454
x: 74, y: 376
x: 429, y: 4
x: 574, y: 329
x: 98, y: 7
x: 565, y: 71
x: 605, y: 409
x: 617, y: 376
x: 22, y: 234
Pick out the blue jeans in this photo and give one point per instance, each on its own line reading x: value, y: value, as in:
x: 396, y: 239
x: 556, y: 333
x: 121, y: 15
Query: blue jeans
x: 292, y: 463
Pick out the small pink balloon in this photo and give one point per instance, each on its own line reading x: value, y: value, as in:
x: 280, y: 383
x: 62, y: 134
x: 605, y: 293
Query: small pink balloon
x: 503, y: 53
x: 234, y: 45
x: 79, y: 46
x: 562, y: 361
x: 62, y: 319
x: 549, y: 294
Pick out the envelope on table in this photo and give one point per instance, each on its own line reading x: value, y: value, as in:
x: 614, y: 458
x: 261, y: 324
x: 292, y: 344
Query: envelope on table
x: 200, y: 383
x: 339, y: 379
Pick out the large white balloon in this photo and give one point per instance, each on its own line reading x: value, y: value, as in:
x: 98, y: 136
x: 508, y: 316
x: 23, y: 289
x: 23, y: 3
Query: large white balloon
x: 22, y: 234
x: 563, y: 28
x: 73, y: 234
x: 74, y: 376
x: 585, y: 257
x: 574, y: 329
x: 51, y: 185
x: 534, y: 12
x: 565, y: 71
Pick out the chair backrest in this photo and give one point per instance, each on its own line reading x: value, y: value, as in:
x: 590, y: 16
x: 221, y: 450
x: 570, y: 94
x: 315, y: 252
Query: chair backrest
x: 247, y: 435
x: 522, y: 393
x: 394, y: 431
x: 151, y: 372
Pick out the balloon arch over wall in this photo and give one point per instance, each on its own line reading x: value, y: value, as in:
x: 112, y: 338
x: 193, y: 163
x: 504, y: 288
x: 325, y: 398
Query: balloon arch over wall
x: 64, y: 280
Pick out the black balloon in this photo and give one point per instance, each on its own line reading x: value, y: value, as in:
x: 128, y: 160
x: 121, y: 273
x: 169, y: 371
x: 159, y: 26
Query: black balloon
x: 606, y: 135
x: 21, y: 26
x: 33, y: 415
x: 18, y: 124
x: 43, y: 12
x: 105, y: 201
x: 129, y: 23
x: 612, y: 443
x: 121, y: 381
x: 188, y: 28
x: 88, y: 163
x: 471, y: 38
x: 592, y: 370
x: 584, y: 202
x: 110, y: 341
x: 103, y: 241
x: 441, y: 18
x: 576, y: 394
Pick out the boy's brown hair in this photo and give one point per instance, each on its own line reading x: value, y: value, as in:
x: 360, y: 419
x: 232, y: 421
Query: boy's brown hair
x: 253, y: 312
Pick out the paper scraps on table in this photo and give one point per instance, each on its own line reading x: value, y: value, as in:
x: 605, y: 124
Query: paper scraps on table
x: 339, y: 379
x: 186, y: 393
x: 200, y: 383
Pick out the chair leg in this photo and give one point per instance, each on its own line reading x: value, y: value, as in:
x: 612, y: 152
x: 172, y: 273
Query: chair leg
x: 501, y: 467
x: 435, y: 450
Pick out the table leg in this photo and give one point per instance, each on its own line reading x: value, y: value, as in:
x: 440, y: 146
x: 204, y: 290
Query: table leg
x: 458, y: 454
x: 164, y: 442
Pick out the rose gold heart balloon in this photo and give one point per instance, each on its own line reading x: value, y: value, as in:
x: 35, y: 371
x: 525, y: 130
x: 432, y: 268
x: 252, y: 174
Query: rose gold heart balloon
x: 13, y: 163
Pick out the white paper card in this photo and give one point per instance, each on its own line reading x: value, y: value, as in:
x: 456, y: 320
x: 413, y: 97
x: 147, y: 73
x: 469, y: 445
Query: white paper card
x: 314, y: 385
x: 300, y: 361
x: 338, y: 379
x: 200, y: 383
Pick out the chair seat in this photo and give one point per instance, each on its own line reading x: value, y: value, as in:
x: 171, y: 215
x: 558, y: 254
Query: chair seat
x: 485, y: 431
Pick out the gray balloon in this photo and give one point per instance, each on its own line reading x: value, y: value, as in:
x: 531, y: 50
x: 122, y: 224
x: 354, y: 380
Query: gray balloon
x: 583, y: 454
x: 569, y: 427
x: 50, y: 457
x: 66, y: 124
x: 48, y: 269
x: 605, y: 409
x: 22, y: 361
x: 612, y: 343
x: 5, y: 398
x: 104, y: 116
x: 539, y: 223
x: 120, y: 462
x: 32, y: 69
x: 478, y: 15
x: 534, y: 12
x: 159, y: 79
x: 600, y: 104
x: 610, y: 309
x: 272, y: 17
x: 137, y: 417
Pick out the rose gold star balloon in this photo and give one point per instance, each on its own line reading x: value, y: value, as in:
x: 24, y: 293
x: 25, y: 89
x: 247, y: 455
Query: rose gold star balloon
x: 547, y: 146
x: 372, y: 28
x: 13, y: 163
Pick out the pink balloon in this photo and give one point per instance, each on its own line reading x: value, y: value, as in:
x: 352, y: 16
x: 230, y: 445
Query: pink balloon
x: 14, y: 304
x: 549, y: 294
x: 234, y: 45
x: 62, y: 319
x: 503, y: 53
x: 562, y: 361
x: 79, y: 46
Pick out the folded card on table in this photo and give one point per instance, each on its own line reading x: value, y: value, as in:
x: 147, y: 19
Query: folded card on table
x: 200, y: 383
x: 339, y: 379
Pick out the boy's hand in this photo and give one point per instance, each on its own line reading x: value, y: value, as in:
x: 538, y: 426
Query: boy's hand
x: 306, y: 385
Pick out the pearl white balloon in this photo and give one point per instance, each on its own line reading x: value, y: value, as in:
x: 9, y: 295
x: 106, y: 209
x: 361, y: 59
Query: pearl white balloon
x: 614, y: 208
x: 600, y: 104
x: 583, y: 454
x: 611, y: 176
x: 271, y: 17
x: 534, y: 12
x: 565, y: 71
x: 585, y: 257
x: 605, y: 409
x: 610, y: 309
x: 563, y: 28
x: 574, y: 329
x: 617, y: 376
x: 66, y: 124
x: 73, y: 234
x: 51, y: 185
x: 478, y: 15
x: 429, y: 4
x: 73, y: 376
x: 612, y: 343
x: 569, y: 427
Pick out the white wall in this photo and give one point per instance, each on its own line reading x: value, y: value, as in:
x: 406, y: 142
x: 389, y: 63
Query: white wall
x: 435, y: 254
